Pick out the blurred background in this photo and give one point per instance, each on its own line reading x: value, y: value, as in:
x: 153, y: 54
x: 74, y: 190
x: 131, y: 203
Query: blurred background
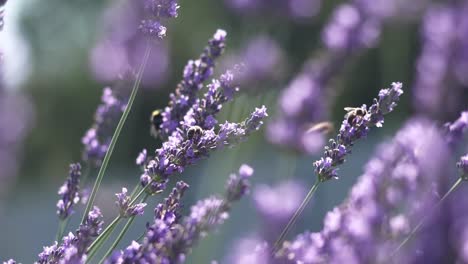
x: 59, y: 55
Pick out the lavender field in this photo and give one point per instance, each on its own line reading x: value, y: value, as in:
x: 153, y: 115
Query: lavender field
x: 233, y: 131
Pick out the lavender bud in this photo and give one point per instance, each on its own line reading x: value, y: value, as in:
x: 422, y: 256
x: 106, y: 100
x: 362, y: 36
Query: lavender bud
x: 69, y: 192
x: 238, y: 185
x: 125, y: 209
x: 141, y: 159
x: 463, y: 166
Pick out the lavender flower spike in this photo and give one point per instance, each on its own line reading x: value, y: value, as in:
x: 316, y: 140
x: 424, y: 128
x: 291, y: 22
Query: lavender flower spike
x: 170, y: 238
x: 196, y: 72
x: 69, y: 192
x: 97, y: 139
x: 154, y: 11
x: 356, y: 126
x: 10, y: 261
x: 123, y: 202
x: 73, y: 246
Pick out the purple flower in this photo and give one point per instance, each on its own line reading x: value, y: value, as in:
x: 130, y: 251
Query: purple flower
x: 69, y: 192
x: 456, y: 130
x: 154, y: 10
x: 10, y: 261
x: 153, y: 28
x: 260, y: 61
x: 439, y: 93
x: 125, y: 210
x: 73, y: 247
x: 171, y: 237
x: 376, y: 216
x: 195, y: 74
x: 355, y: 126
x: 295, y: 9
x: 463, y: 166
x: 97, y: 139
x: 141, y: 159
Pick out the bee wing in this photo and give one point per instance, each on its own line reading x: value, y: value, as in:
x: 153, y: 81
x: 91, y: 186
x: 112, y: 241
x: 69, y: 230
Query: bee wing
x: 347, y: 109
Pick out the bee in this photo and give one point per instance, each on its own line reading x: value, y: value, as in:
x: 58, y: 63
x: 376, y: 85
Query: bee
x: 322, y: 128
x: 156, y: 120
x: 354, y: 113
x: 194, y: 133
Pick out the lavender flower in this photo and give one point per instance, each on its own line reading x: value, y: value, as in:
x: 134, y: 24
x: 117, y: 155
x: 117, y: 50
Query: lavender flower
x: 356, y: 126
x: 438, y: 91
x: 456, y: 130
x: 10, y: 261
x: 123, y: 202
x: 370, y: 224
x: 73, y: 246
x: 155, y: 10
x: 170, y: 238
x: 97, y: 139
x: 69, y: 192
x: 195, y: 74
x: 463, y: 166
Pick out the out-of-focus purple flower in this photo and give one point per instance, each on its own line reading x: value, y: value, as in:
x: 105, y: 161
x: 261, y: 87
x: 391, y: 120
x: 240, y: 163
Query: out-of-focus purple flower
x: 69, y: 192
x: 376, y: 216
x: 261, y: 60
x: 355, y: 126
x: 141, y: 159
x: 171, y: 237
x: 10, y: 261
x: 123, y: 202
x: 438, y: 92
x: 250, y: 250
x: 97, y: 139
x: 195, y: 74
x: 73, y: 247
x: 296, y: 9
x: 302, y: 103
x: 456, y: 130
x: 122, y: 46
x: 278, y: 203
x: 350, y: 30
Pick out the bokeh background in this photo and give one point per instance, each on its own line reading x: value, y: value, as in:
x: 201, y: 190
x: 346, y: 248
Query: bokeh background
x: 52, y: 57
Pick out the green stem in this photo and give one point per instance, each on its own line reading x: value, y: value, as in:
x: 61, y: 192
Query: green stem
x: 421, y: 222
x: 120, y: 125
x: 61, y: 228
x: 122, y: 233
x: 296, y: 214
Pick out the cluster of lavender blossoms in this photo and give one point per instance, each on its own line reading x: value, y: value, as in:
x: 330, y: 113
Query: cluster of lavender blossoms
x: 73, y: 248
x: 442, y: 68
x: 69, y: 192
x: 376, y: 216
x: 196, y: 72
x: 189, y: 122
x: 171, y: 237
x: 356, y: 126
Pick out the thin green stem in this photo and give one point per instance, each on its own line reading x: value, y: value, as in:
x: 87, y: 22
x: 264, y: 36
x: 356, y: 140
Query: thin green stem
x: 122, y: 233
x: 421, y: 222
x: 296, y: 214
x: 61, y: 228
x: 115, y: 137
x: 97, y: 247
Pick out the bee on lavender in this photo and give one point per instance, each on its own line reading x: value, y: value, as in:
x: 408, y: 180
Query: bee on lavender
x: 156, y: 120
x: 354, y: 114
x: 194, y: 133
